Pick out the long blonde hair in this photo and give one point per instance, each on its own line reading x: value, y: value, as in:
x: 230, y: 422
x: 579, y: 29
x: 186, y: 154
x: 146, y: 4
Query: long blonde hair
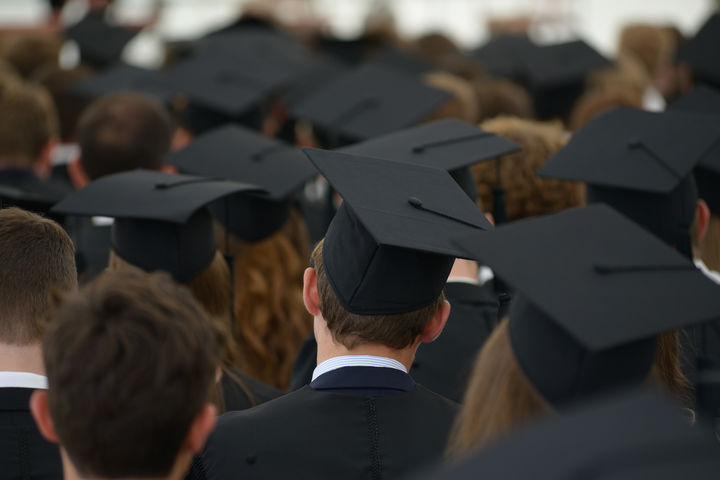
x: 270, y: 320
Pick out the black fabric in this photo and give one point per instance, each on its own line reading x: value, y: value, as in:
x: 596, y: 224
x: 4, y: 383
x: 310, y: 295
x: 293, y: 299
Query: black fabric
x: 92, y: 246
x: 320, y: 435
x: 702, y: 54
x: 444, y: 365
x: 100, y: 43
x: 561, y: 369
x: 638, y: 436
x: 22, y: 188
x: 357, y: 380
x: 241, y: 391
x: 26, y: 455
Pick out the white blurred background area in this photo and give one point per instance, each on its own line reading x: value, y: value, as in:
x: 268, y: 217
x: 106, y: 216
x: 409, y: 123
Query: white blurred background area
x: 467, y: 22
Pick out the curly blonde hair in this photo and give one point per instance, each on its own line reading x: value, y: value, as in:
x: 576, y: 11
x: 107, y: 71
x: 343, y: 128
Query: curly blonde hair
x: 526, y: 194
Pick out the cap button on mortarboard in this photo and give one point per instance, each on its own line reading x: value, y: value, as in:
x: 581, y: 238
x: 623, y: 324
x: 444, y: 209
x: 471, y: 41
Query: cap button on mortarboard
x: 415, y: 202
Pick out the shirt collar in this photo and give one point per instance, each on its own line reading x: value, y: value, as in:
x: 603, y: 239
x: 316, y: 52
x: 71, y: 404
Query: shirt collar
x: 23, y: 380
x: 356, y: 361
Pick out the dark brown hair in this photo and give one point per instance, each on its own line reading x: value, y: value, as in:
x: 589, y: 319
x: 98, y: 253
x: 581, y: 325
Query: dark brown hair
x: 130, y: 361
x: 123, y: 131
x: 396, y: 331
x: 36, y: 258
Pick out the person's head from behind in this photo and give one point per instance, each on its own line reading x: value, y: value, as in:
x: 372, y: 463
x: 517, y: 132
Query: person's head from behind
x: 396, y: 332
x: 130, y: 361
x: 120, y: 132
x: 28, y: 127
x: 37, y: 257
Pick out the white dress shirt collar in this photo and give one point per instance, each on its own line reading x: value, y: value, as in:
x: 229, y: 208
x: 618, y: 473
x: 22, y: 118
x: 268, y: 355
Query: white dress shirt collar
x: 356, y: 361
x: 23, y: 380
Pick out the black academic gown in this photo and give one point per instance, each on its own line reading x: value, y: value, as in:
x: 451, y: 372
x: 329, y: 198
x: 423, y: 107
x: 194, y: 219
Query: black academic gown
x: 22, y: 188
x: 444, y: 365
x: 350, y: 423
x: 241, y: 391
x: 24, y: 453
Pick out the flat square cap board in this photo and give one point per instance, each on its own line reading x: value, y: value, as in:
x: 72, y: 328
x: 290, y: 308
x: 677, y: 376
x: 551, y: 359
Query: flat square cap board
x: 370, y: 100
x: 593, y: 292
x: 160, y: 222
x: 390, y: 246
x: 122, y: 77
x: 236, y: 153
x: 634, y: 149
x: 636, y: 435
x: 599, y: 276
x: 506, y: 55
x: 449, y: 144
x: 556, y: 65
x: 100, y: 43
x: 702, y: 53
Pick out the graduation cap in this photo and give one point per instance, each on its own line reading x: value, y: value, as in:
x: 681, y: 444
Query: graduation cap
x: 100, y: 44
x: 594, y: 292
x: 707, y: 173
x: 123, y: 77
x: 160, y: 222
x: 389, y: 247
x: 639, y: 163
x: 555, y: 75
x: 401, y: 60
x: 701, y: 52
x: 369, y: 100
x: 506, y: 55
x: 637, y: 435
x: 236, y: 153
x: 449, y: 143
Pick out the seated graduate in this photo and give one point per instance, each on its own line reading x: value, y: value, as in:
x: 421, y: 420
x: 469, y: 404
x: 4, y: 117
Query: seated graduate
x: 131, y: 360
x: 374, y: 289
x: 117, y: 133
x: 161, y: 224
x: 36, y: 258
x: 444, y: 365
x: 596, y: 296
x: 266, y: 240
x: 28, y: 128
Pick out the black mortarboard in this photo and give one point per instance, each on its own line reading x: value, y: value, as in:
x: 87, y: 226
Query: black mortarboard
x: 556, y: 75
x: 594, y: 292
x: 122, y: 77
x: 239, y: 154
x: 707, y: 173
x: 389, y: 247
x: 639, y: 163
x: 449, y: 143
x: 401, y: 60
x: 702, y: 53
x: 368, y: 101
x: 636, y: 435
x: 506, y: 55
x: 160, y: 222
x: 100, y: 44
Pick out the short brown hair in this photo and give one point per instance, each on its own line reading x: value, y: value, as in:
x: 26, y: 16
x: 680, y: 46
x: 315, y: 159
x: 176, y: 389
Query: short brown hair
x: 123, y: 131
x: 27, y: 122
x: 36, y: 258
x: 130, y: 362
x: 527, y: 195
x: 395, y: 331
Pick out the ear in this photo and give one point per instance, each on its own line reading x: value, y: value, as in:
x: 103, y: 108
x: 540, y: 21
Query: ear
x: 702, y: 214
x: 168, y: 169
x: 310, y: 293
x: 435, y: 326
x: 77, y: 174
x: 41, y: 412
x: 490, y: 218
x: 43, y: 166
x: 201, y: 428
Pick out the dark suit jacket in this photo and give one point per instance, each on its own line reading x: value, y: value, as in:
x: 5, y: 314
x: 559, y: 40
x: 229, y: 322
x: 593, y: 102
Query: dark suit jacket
x: 24, y: 453
x: 241, y: 391
x: 444, y: 365
x: 351, y: 423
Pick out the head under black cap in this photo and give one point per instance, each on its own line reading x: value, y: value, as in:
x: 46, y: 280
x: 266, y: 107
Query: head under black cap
x: 640, y: 163
x: 100, y: 44
x: 389, y: 248
x: 506, y: 55
x: 636, y: 435
x: 702, y: 54
x: 449, y: 143
x: 368, y: 101
x: 160, y: 222
x: 707, y: 173
x: 122, y: 77
x: 236, y: 153
x: 594, y: 292
x: 556, y: 74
